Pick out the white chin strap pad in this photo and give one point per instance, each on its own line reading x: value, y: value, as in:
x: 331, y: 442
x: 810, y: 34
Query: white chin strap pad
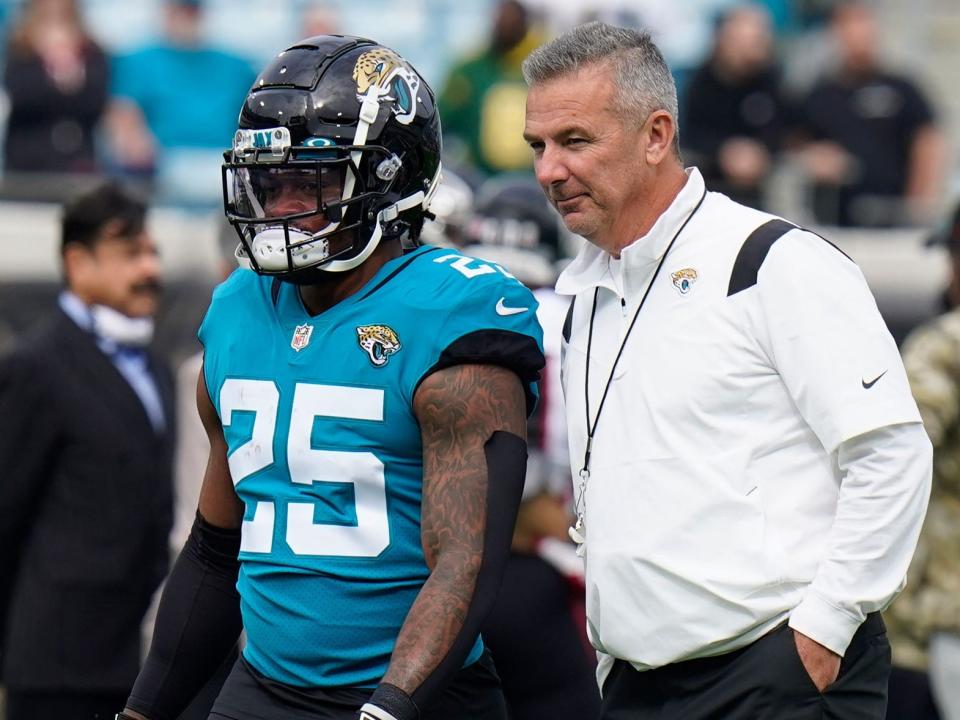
x: 269, y: 249
x: 269, y: 245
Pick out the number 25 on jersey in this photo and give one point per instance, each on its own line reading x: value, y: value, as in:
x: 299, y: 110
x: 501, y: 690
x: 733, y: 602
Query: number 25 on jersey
x: 307, y: 465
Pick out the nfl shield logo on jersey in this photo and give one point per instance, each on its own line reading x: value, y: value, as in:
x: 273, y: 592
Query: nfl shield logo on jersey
x: 301, y: 337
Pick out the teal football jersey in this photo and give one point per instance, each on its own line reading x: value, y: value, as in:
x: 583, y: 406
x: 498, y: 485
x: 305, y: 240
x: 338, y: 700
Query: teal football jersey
x: 325, y: 450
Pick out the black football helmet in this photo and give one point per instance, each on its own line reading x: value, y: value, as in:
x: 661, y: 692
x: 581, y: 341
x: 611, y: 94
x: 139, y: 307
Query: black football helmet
x: 337, y: 149
x: 513, y: 225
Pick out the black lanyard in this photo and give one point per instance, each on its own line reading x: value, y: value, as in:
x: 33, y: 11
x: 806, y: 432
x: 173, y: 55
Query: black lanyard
x: 591, y: 431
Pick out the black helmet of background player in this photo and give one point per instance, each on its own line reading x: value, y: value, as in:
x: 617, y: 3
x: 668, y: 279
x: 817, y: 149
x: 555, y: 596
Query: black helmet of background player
x: 338, y: 149
x: 450, y: 209
x: 514, y: 226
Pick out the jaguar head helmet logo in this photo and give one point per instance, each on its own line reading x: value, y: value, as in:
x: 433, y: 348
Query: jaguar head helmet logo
x: 387, y: 76
x: 379, y: 342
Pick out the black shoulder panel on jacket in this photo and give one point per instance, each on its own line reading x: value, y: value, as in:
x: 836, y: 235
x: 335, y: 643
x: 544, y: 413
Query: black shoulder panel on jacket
x: 568, y: 320
x: 754, y: 252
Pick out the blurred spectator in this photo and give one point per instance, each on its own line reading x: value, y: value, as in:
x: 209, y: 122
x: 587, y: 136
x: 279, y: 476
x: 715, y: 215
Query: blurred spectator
x: 483, y: 99
x: 7, y: 339
x: 924, y: 622
x: 56, y: 78
x: 874, y: 151
x: 175, y: 105
x: 318, y: 18
x: 735, y: 115
x: 533, y: 629
x: 86, y: 430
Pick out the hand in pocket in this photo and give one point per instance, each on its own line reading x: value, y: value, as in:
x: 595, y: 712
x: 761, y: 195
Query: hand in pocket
x: 821, y: 663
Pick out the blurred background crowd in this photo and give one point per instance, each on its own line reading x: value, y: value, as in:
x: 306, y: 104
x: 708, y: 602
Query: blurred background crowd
x: 840, y: 115
x: 841, y: 118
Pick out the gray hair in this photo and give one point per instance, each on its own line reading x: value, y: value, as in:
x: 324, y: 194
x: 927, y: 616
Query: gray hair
x: 640, y: 74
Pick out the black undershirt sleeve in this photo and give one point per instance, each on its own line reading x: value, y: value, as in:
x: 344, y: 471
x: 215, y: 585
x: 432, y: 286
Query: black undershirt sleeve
x: 198, y: 623
x: 506, y: 456
x: 503, y: 348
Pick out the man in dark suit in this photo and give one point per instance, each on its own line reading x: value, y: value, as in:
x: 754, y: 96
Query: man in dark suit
x: 85, y: 473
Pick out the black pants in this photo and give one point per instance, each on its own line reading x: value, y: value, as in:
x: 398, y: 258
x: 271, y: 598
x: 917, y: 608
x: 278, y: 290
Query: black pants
x: 39, y: 704
x: 763, y: 681
x: 473, y: 694
x: 199, y: 707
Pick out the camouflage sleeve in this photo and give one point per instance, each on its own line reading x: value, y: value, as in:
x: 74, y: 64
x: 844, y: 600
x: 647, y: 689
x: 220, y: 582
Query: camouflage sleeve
x: 931, y: 355
x: 930, y: 602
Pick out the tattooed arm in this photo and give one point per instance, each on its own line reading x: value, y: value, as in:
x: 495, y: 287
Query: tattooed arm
x: 473, y: 424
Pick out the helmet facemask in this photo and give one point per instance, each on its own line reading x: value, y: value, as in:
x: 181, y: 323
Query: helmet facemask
x: 303, y: 207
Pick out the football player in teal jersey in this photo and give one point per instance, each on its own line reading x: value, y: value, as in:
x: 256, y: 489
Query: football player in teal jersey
x: 365, y: 400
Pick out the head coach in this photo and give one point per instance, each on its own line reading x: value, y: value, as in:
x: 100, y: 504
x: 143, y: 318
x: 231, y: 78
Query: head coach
x: 751, y: 470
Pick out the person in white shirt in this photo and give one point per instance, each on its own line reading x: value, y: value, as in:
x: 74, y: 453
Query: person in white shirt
x: 752, y: 471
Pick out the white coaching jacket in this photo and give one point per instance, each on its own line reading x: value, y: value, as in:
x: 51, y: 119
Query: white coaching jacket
x: 759, y: 456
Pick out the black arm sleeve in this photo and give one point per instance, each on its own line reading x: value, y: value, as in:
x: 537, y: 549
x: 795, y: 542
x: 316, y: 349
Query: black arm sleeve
x: 506, y: 456
x: 198, y: 623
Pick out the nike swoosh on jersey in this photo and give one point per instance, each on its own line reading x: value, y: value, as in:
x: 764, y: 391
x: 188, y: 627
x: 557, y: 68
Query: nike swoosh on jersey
x: 868, y: 385
x: 504, y: 310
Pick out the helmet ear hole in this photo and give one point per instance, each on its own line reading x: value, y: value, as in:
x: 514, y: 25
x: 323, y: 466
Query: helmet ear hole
x: 387, y: 169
